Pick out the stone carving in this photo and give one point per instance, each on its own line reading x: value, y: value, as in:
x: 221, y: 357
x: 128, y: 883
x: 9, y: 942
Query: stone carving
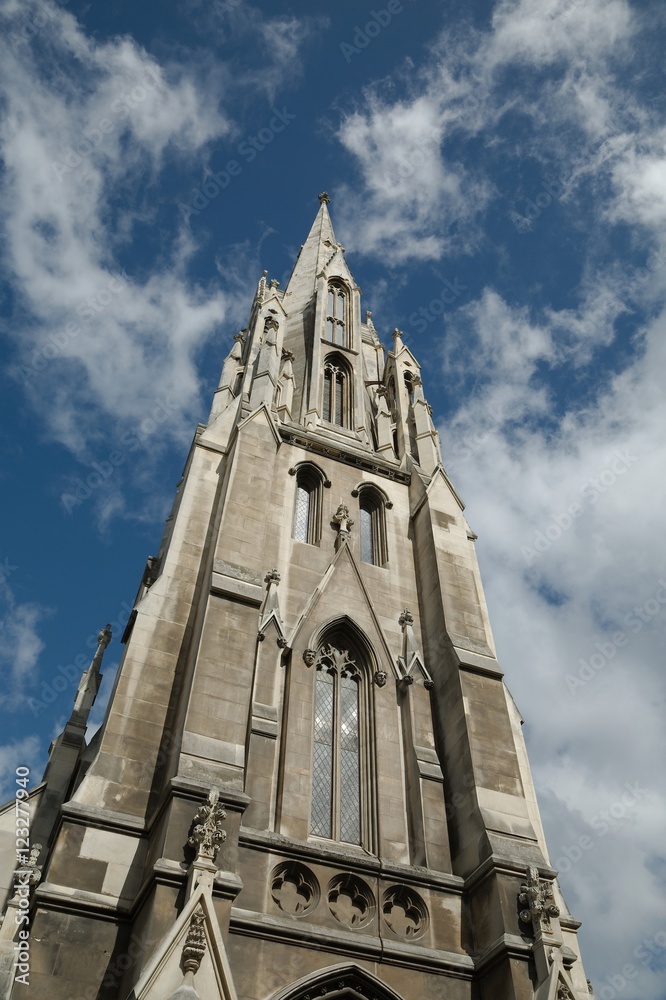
x: 272, y: 577
x: 208, y: 835
x: 406, y: 618
x: 350, y: 901
x: 343, y: 519
x: 294, y: 888
x: 405, y: 912
x: 195, y: 942
x: 324, y: 199
x: 309, y: 656
x: 380, y: 678
x: 564, y: 993
x: 537, y: 897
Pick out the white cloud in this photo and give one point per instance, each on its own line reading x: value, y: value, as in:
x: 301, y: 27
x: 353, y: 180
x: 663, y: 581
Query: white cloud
x: 92, y: 337
x: 20, y: 644
x: 26, y: 752
x: 581, y: 639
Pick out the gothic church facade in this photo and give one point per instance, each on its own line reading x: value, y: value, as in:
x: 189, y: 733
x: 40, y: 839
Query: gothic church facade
x: 311, y: 780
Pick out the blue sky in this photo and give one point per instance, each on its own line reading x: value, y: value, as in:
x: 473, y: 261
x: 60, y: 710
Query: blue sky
x: 497, y: 173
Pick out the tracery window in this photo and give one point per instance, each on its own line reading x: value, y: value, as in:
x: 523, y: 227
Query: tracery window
x: 307, y: 509
x: 337, y: 747
x: 336, y: 314
x: 336, y: 404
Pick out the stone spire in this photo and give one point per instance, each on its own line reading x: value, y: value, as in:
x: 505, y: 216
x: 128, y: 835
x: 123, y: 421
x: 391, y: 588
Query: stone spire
x: 317, y: 250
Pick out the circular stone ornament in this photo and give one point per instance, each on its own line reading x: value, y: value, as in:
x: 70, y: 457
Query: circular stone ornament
x: 405, y: 912
x: 350, y: 901
x: 294, y: 888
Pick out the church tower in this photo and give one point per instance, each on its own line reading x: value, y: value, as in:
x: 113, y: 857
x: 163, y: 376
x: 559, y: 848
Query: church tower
x: 311, y: 779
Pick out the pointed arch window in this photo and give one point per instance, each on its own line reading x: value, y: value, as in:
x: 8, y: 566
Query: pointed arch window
x: 307, y: 507
x: 372, y: 526
x: 338, y: 740
x: 336, y: 314
x: 336, y: 404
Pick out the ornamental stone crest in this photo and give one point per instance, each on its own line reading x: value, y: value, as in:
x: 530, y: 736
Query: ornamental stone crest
x: 336, y: 661
x: 343, y: 519
x: 536, y: 895
x: 208, y: 835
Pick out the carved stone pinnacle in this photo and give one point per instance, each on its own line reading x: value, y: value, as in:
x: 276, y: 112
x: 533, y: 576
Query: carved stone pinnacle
x: 323, y: 198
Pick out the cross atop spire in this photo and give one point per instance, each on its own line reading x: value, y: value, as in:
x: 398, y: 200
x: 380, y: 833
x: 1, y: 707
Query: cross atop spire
x: 324, y: 199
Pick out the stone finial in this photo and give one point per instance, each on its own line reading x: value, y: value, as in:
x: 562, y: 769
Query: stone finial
x: 195, y: 942
x: 536, y: 895
x: 406, y: 618
x: 208, y: 835
x: 272, y: 577
x: 343, y: 519
x: 323, y: 198
x: 104, y: 636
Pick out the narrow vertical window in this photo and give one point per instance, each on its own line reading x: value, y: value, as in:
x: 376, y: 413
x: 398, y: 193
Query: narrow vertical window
x: 367, y: 546
x: 372, y: 526
x: 336, y: 752
x: 307, y: 507
x: 336, y: 315
x: 336, y: 408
